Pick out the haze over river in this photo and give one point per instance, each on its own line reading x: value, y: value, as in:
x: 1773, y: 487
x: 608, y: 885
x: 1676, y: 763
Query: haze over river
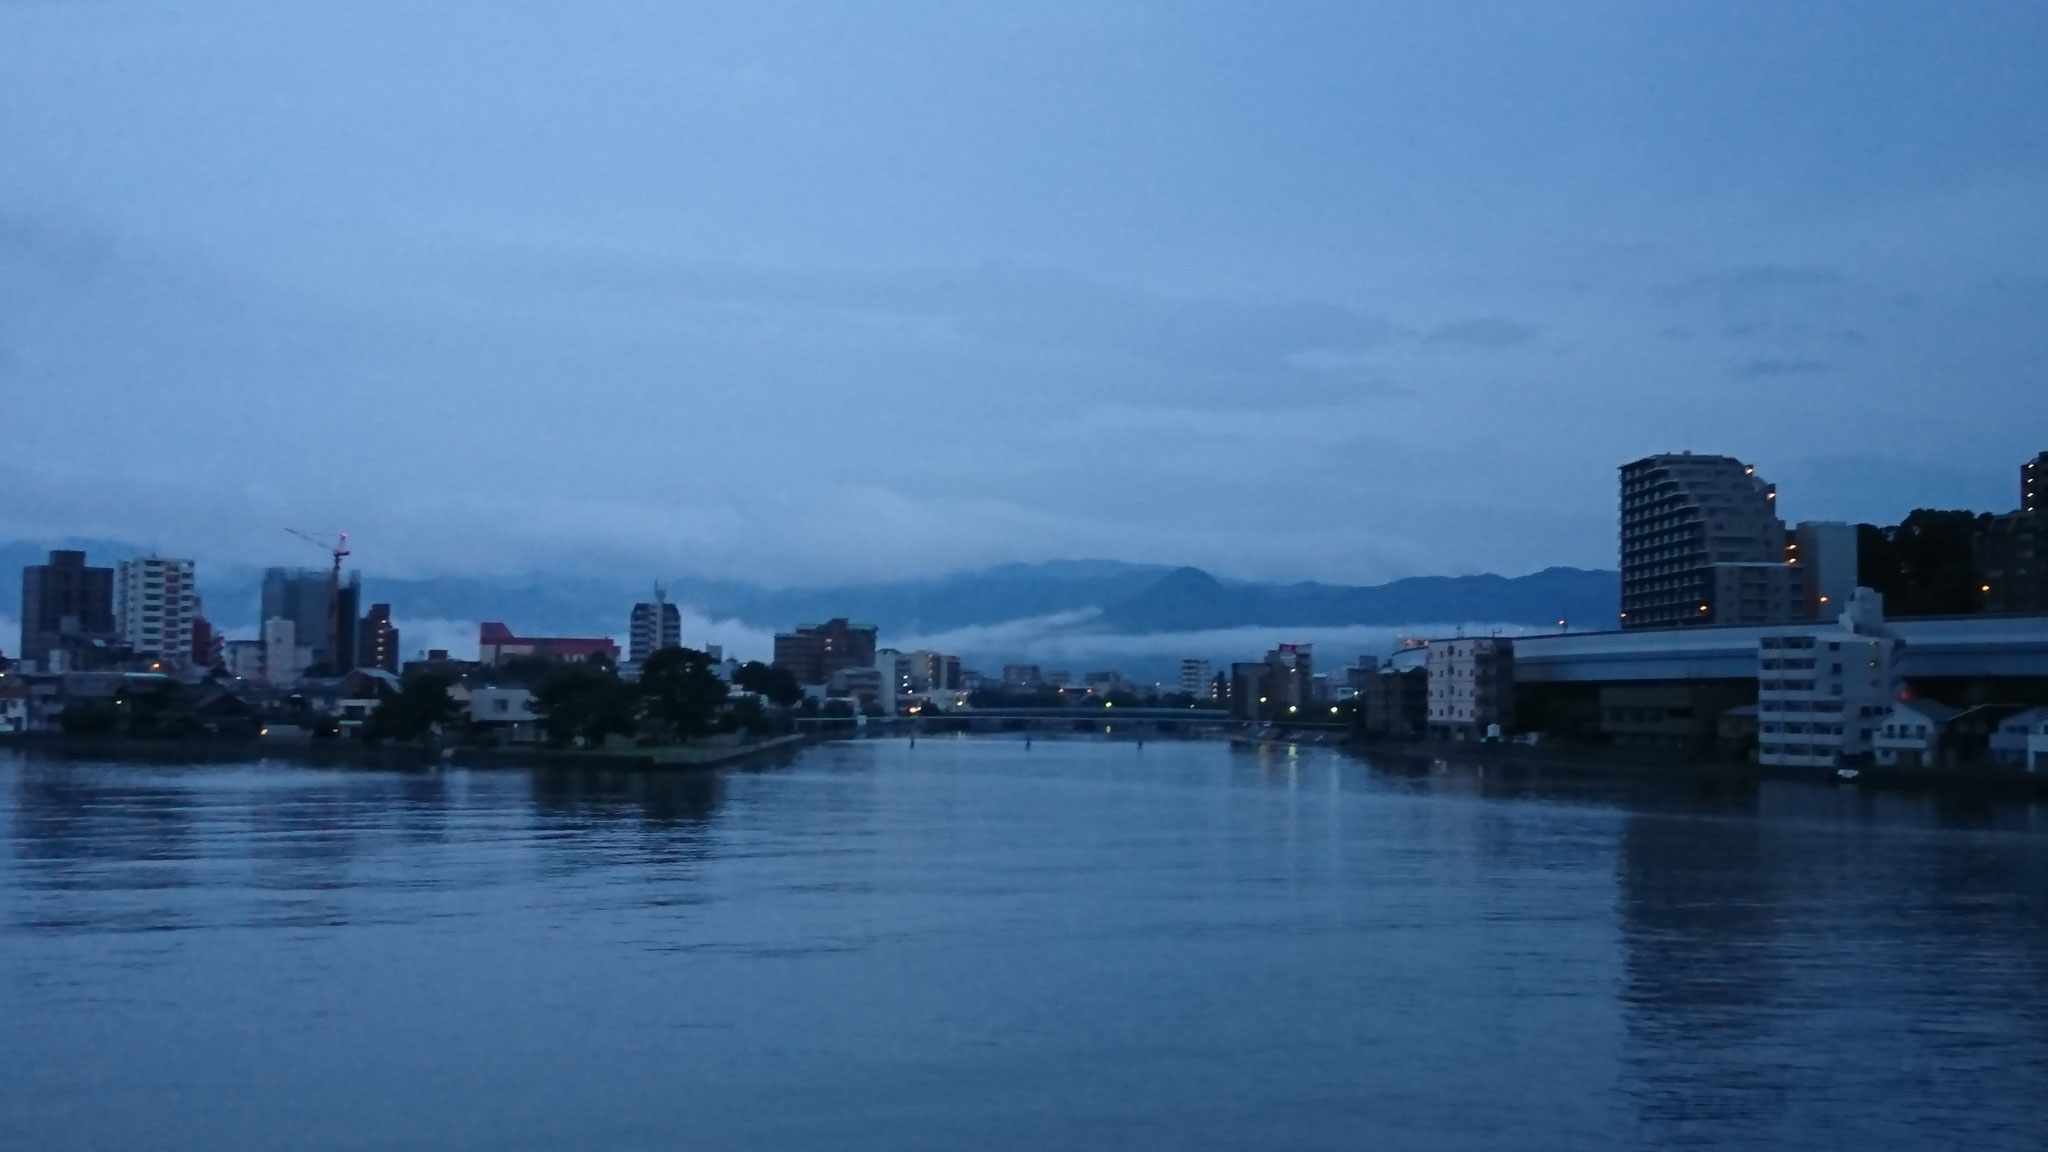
x: 971, y: 943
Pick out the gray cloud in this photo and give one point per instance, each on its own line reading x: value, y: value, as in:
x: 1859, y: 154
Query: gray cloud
x: 1485, y: 333
x: 798, y: 297
x: 1766, y: 367
x: 1745, y: 288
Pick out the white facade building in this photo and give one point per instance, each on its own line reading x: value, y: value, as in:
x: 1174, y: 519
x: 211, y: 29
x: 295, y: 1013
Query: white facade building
x: 653, y: 625
x: 1471, y: 688
x: 155, y: 605
x: 508, y: 710
x: 1911, y: 734
x: 896, y: 674
x: 1196, y: 678
x: 284, y: 659
x: 1823, y: 692
x: 2021, y: 739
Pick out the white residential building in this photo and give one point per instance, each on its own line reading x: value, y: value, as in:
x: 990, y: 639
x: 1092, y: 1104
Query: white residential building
x: 1471, y: 688
x: 653, y: 625
x: 1911, y: 734
x: 2021, y: 739
x: 896, y: 674
x: 1823, y: 691
x: 1196, y: 678
x: 507, y: 710
x: 155, y: 605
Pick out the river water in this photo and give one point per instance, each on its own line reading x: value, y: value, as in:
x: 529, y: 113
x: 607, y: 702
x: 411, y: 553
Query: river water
x: 972, y: 943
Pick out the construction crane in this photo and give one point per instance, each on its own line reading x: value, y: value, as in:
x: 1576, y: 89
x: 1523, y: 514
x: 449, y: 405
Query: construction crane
x: 337, y: 548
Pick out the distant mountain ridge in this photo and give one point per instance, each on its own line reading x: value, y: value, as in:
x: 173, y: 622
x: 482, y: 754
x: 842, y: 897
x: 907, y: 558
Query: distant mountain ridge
x: 1114, y: 597
x: 1189, y: 600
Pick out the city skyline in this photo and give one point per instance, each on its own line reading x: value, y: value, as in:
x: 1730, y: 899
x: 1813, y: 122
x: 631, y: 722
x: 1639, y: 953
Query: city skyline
x: 794, y: 296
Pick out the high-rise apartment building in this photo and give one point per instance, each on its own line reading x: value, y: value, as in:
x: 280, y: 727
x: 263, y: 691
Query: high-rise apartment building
x: 377, y: 640
x: 155, y: 607
x: 1195, y: 678
x: 67, y: 608
x: 654, y: 625
x: 1701, y: 543
x: 2012, y: 549
x: 306, y: 597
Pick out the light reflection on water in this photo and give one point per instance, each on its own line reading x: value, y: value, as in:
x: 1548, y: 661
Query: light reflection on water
x: 974, y: 943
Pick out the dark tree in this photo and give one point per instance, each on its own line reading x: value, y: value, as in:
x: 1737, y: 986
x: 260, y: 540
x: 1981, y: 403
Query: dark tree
x: 1926, y: 565
x: 585, y: 700
x: 776, y: 683
x: 747, y: 715
x: 420, y: 705
x: 679, y: 692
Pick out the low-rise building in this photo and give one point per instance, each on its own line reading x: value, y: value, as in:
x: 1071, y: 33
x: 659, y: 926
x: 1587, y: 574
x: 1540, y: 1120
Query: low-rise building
x: 863, y: 685
x: 243, y: 659
x: 496, y: 644
x: 506, y: 713
x: 349, y: 701
x: 1102, y: 683
x: 1909, y: 735
x: 2012, y: 744
x: 13, y: 704
x: 1670, y: 715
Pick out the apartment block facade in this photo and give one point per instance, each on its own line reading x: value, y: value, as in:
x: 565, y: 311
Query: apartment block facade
x: 67, y: 607
x: 377, y: 640
x: 1471, y: 688
x: 654, y: 625
x: 1702, y: 543
x: 1822, y: 692
x: 156, y: 606
x: 814, y: 652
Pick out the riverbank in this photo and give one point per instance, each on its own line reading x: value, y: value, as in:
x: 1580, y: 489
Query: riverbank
x: 688, y: 758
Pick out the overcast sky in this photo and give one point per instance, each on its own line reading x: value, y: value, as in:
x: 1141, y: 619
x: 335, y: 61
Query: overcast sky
x: 805, y: 292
